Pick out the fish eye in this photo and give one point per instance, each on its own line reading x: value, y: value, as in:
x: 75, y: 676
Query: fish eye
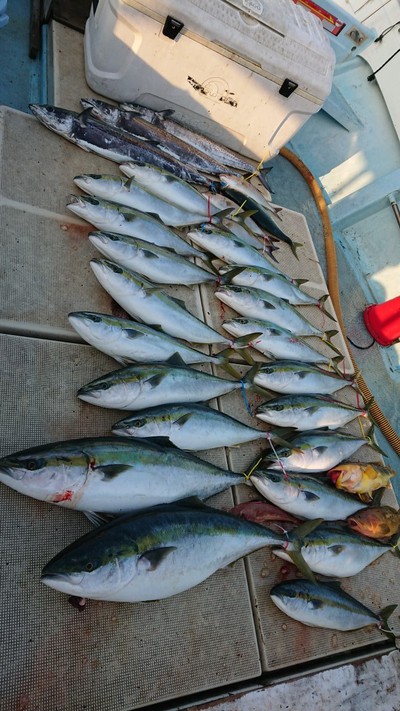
x: 116, y: 269
x: 266, y: 369
x: 139, y: 423
x: 274, y: 477
x: 244, y: 321
x: 95, y: 319
x: 277, y: 408
x: 92, y: 200
x: 89, y: 567
x: 31, y: 465
x: 284, y: 453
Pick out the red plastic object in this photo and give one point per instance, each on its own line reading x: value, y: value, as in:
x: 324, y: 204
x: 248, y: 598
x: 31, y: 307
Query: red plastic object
x: 383, y: 321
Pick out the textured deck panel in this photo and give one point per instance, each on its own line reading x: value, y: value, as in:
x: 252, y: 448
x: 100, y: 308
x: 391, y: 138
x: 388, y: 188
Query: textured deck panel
x: 111, y: 656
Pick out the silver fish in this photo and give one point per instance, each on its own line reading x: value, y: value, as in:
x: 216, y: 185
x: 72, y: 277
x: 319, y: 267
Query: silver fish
x: 143, y: 300
x: 325, y: 605
x: 308, y: 412
x: 129, y: 341
x: 154, y: 554
x: 128, y: 193
x: 166, y: 142
x: 110, y: 217
x: 316, y: 452
x: 269, y: 280
x: 297, y: 377
x: 276, y: 342
x: 191, y: 427
x: 111, y: 474
x: 137, y: 387
x: 254, y: 303
x: 228, y: 247
x: 170, y: 188
x: 334, y: 551
x: 193, y: 138
x: 160, y: 265
x: 305, y: 496
x: 95, y: 136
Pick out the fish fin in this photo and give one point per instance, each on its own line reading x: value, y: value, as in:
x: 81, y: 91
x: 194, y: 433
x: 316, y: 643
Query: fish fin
x: 374, y: 445
x: 326, y: 338
x: 300, y: 282
x: 84, y: 115
x: 243, y: 341
x: 337, y: 548
x: 179, y: 302
x: 365, y: 498
x: 246, y: 213
x: 310, y: 496
x: 306, y: 528
x: 321, y: 302
x: 301, y: 564
x: 149, y: 255
x: 98, y: 519
x: 229, y: 275
x: 226, y: 212
x: 156, y: 326
x: 176, y: 359
x: 165, y: 113
x: 110, y: 471
x: 155, y: 379
x: 183, y: 419
x: 131, y: 333
x: 150, y: 560
x: 377, y: 496
x: 294, y: 246
x: 383, y: 626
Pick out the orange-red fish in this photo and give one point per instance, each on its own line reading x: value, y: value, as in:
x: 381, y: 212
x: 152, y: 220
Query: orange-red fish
x: 361, y: 478
x: 375, y: 522
x: 266, y: 514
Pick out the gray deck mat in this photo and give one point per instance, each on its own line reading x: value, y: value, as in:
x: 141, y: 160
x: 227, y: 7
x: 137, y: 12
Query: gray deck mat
x: 113, y: 656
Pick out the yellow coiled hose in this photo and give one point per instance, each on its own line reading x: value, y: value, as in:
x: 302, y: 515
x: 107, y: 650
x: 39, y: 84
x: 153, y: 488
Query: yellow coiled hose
x: 333, y: 288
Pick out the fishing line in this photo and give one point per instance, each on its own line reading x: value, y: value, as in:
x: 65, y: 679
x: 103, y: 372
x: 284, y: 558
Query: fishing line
x: 361, y: 348
x: 246, y: 402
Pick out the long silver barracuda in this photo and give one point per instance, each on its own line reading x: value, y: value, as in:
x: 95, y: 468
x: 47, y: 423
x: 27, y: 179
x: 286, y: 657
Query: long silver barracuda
x: 228, y: 247
x: 128, y: 193
x: 298, y: 378
x: 308, y: 412
x: 191, y: 427
x: 129, y: 341
x: 111, y: 474
x: 193, y: 138
x: 96, y: 137
x: 314, y: 452
x: 154, y: 554
x: 137, y: 387
x: 335, y: 551
x: 143, y: 300
x: 167, y: 143
x: 170, y: 188
x: 272, y: 340
x: 272, y: 282
x: 305, y: 496
x: 108, y: 216
x: 254, y: 303
x: 160, y: 265
x: 326, y: 605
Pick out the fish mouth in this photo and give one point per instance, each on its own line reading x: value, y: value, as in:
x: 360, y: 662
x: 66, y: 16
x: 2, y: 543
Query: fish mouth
x: 334, y: 475
x: 59, y: 120
x: 61, y: 582
x: 11, y: 473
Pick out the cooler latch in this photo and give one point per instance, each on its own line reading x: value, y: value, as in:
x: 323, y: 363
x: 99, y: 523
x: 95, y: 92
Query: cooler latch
x: 172, y: 27
x: 288, y: 87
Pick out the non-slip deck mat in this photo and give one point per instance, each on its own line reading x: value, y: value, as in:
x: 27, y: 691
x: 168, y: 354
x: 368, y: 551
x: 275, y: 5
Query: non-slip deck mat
x: 111, y: 656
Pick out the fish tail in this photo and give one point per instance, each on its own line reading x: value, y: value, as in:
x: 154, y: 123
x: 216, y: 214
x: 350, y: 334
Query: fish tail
x: 374, y: 445
x: 230, y: 275
x: 327, y: 338
x: 243, y: 341
x: 321, y: 303
x: 294, y: 246
x: 263, y: 172
x: 383, y: 624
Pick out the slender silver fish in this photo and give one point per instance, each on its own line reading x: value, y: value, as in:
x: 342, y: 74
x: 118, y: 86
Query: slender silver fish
x: 308, y: 412
x: 325, y: 605
x: 108, y: 142
x: 130, y: 194
x: 129, y: 341
x: 145, y: 301
x: 160, y: 265
x: 193, y: 138
x: 108, y: 216
x: 298, y: 378
x: 190, y: 426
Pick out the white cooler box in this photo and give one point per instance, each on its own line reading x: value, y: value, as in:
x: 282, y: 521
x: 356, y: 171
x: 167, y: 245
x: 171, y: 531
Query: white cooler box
x: 248, y: 73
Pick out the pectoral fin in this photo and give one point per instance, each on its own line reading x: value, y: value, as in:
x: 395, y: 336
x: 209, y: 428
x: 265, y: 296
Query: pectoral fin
x: 151, y: 559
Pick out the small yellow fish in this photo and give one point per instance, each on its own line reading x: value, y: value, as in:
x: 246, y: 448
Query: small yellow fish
x: 375, y: 522
x: 361, y: 478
